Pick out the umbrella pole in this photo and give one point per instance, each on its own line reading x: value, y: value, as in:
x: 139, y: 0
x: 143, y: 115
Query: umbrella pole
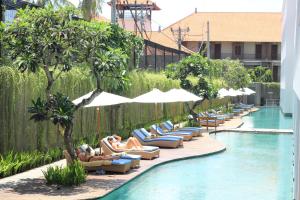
x: 174, y: 112
x: 98, y: 121
x: 156, y: 115
x: 98, y: 126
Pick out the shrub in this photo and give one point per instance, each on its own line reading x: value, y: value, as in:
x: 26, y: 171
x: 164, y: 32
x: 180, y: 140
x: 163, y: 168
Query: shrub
x: 73, y: 174
x: 260, y: 74
x: 13, y: 162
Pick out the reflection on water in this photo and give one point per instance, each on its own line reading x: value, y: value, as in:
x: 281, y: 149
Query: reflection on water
x: 270, y: 117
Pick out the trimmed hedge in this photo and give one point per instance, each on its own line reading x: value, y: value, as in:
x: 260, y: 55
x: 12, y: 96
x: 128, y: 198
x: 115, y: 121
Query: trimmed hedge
x: 17, y: 90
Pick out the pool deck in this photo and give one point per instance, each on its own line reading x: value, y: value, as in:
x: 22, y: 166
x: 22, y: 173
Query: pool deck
x: 31, y: 184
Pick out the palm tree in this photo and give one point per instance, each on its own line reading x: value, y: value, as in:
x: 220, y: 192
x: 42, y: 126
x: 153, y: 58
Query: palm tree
x: 89, y: 8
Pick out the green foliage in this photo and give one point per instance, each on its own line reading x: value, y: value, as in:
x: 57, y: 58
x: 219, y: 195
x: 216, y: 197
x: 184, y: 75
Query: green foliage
x: 14, y: 162
x: 260, y: 74
x: 54, y: 42
x: 17, y: 89
x: 237, y: 77
x: 196, y: 66
x: 73, y: 174
x: 273, y: 85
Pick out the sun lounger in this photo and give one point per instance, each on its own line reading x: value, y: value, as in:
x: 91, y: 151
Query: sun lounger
x: 145, y: 138
x: 237, y: 112
x: 208, y: 122
x: 196, y: 131
x: 158, y: 130
x: 226, y: 116
x: 119, y: 165
x: 148, y: 152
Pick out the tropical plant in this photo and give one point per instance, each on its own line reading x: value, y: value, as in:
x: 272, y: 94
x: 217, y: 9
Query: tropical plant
x: 237, y: 77
x: 14, y: 162
x: 89, y: 8
x: 198, y: 67
x: 260, y: 74
x: 73, y: 174
x: 52, y: 41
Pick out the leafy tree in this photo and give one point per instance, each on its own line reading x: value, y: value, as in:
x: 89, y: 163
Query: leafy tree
x: 260, y: 74
x: 89, y: 8
x: 237, y: 77
x: 52, y: 41
x: 198, y: 67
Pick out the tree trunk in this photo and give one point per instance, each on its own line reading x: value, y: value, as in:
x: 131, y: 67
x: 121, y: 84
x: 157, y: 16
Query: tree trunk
x: 68, y: 140
x: 191, y: 109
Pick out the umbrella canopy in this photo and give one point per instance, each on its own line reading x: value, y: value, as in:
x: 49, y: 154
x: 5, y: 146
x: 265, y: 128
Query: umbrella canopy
x: 223, y: 93
x: 247, y: 91
x: 181, y: 95
x: 233, y: 92
x: 154, y: 96
x: 103, y: 99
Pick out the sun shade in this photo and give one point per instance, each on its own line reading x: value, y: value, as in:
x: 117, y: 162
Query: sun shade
x: 181, y: 95
x: 103, y: 99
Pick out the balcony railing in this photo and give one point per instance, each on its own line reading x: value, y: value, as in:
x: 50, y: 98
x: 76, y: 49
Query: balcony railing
x: 247, y: 57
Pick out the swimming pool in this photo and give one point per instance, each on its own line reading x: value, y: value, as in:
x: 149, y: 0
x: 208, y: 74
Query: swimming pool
x: 254, y: 167
x: 268, y: 117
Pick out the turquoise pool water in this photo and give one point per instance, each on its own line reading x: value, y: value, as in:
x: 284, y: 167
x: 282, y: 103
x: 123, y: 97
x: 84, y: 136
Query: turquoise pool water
x: 254, y: 167
x: 270, y: 117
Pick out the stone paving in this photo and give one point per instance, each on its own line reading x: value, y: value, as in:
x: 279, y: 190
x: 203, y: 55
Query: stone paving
x: 31, y: 184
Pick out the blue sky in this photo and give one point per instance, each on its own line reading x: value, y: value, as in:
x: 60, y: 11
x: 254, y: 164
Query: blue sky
x: 174, y: 10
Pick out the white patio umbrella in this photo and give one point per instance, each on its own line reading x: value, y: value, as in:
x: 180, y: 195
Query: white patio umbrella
x: 233, y: 92
x: 102, y: 99
x: 247, y: 91
x: 224, y: 93
x: 181, y: 95
x: 154, y: 96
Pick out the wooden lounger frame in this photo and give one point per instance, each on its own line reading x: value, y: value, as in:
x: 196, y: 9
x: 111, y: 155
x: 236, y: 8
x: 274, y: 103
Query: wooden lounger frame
x: 103, y: 164
x: 207, y: 122
x: 148, y: 155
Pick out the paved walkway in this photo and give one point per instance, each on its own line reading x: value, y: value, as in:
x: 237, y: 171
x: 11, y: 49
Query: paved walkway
x: 31, y: 184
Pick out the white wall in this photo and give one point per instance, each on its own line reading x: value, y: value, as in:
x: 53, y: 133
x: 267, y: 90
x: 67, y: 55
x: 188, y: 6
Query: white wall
x: 290, y: 73
x: 288, y: 55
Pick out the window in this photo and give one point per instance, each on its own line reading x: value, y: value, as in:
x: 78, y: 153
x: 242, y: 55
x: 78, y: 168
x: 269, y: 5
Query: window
x: 274, y: 51
x: 258, y: 51
x: 217, y: 51
x: 238, y: 50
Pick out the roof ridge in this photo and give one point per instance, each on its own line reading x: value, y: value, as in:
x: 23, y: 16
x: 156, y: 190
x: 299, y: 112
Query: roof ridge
x: 179, y: 21
x: 222, y: 12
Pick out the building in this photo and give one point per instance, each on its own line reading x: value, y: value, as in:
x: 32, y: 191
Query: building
x: 160, y: 49
x: 128, y: 10
x: 290, y: 81
x: 11, y: 7
x: 253, y: 38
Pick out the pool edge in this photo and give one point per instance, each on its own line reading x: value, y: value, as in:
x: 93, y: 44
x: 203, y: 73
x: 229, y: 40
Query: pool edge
x: 159, y: 164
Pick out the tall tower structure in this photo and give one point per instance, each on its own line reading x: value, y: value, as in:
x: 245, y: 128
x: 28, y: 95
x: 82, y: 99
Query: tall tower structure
x: 135, y: 15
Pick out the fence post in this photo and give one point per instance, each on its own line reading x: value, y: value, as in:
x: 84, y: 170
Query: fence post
x: 146, y: 55
x: 155, y: 62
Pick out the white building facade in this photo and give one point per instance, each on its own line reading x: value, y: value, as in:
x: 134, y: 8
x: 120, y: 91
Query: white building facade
x: 290, y: 76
